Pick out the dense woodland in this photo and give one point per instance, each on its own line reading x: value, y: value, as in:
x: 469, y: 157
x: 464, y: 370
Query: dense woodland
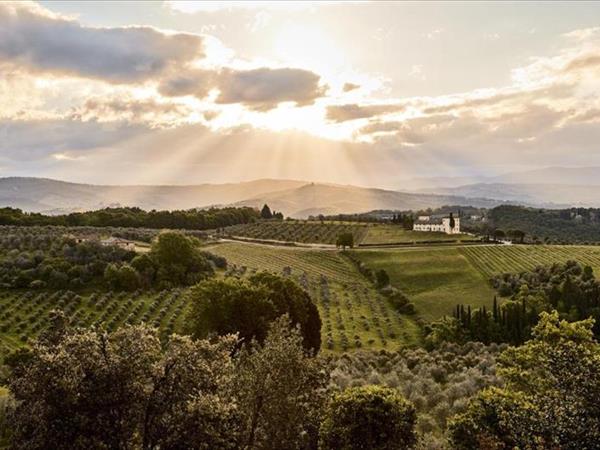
x: 195, y: 219
x: 574, y: 225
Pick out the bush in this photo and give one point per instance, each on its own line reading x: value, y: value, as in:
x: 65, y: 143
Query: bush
x: 369, y: 417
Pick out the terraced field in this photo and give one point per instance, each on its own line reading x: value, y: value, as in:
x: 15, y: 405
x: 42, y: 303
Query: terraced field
x: 493, y: 260
x: 354, y: 315
x: 298, y: 231
x: 24, y: 315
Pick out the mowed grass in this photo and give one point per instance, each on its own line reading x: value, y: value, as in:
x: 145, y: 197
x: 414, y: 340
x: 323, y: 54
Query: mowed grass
x: 436, y: 278
x: 494, y: 260
x: 354, y: 315
x: 395, y: 234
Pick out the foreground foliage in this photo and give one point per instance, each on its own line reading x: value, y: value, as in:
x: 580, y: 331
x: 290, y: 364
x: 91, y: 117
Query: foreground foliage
x: 438, y: 383
x: 82, y: 389
x: 550, y: 399
x: 86, y: 389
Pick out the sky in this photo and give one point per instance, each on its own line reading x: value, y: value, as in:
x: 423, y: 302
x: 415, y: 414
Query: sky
x: 355, y: 92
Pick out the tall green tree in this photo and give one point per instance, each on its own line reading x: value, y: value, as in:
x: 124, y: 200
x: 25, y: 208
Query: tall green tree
x: 178, y: 260
x: 265, y: 212
x: 247, y: 307
x: 280, y: 389
x: 345, y: 240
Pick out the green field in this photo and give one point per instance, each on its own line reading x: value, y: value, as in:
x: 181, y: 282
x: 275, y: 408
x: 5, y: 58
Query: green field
x: 392, y: 234
x: 25, y: 315
x: 298, y: 231
x: 493, y: 260
x: 354, y: 315
x: 438, y: 278
x: 435, y: 278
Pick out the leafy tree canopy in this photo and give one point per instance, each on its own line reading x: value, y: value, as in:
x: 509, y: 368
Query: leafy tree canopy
x: 550, y: 398
x: 371, y: 417
x: 247, y: 307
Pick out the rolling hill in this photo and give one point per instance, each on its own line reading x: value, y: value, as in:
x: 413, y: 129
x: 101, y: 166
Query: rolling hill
x: 294, y: 198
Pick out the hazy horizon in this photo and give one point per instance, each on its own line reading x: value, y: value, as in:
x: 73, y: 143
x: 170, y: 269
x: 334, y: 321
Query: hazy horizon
x: 353, y: 93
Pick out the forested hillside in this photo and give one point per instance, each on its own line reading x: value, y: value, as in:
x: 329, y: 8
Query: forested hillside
x: 563, y: 225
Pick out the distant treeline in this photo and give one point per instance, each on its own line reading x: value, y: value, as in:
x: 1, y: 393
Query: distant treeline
x: 574, y: 225
x: 193, y: 219
x: 399, y: 216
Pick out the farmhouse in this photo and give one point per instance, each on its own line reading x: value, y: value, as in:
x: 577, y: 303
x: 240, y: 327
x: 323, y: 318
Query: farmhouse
x: 122, y: 243
x: 448, y: 225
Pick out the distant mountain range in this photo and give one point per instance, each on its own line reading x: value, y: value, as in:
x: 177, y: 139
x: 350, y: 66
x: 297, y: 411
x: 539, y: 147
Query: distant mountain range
x: 294, y: 198
x: 552, y: 187
x: 540, y: 194
x: 574, y: 176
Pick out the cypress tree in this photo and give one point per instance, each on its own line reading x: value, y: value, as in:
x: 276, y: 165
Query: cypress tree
x: 495, y: 310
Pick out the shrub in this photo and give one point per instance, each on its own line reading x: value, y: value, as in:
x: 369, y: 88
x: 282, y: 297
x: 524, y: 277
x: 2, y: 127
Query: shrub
x: 369, y: 417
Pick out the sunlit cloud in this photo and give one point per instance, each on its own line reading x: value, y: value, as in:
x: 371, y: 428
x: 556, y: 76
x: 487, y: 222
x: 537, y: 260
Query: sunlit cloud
x: 191, y: 6
x: 66, y: 157
x: 75, y: 93
x: 45, y: 43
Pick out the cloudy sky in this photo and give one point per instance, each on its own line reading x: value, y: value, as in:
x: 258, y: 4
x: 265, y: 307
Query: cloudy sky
x: 361, y: 93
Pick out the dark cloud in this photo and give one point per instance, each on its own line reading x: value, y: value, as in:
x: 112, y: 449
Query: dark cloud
x: 265, y: 88
x: 135, y: 110
x: 259, y: 89
x: 194, y: 82
x: 342, y: 113
x: 42, y: 42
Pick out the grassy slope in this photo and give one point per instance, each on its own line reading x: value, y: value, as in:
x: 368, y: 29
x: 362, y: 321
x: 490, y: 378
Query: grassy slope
x: 386, y: 234
x: 353, y: 305
x: 435, y: 279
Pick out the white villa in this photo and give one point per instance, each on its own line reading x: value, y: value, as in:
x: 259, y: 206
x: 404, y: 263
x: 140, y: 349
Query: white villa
x: 442, y: 225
